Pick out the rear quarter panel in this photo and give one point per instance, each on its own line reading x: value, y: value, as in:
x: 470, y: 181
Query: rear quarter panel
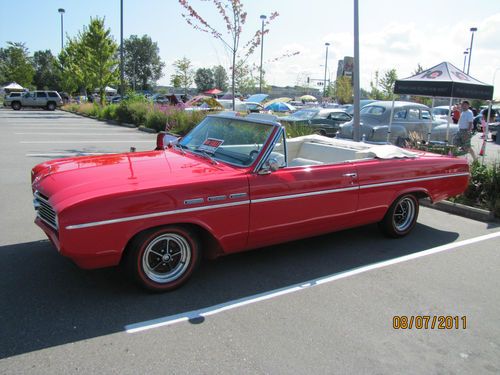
x: 382, y: 181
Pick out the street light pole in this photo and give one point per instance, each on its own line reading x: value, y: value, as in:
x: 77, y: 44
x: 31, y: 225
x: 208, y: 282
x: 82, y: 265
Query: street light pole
x: 356, y: 116
x: 466, y: 52
x: 472, y: 29
x: 61, y: 11
x: 122, y: 73
x: 263, y: 18
x: 326, y: 67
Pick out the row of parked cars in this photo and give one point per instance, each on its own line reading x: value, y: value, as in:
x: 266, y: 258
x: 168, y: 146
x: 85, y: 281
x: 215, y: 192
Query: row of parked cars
x: 410, y: 120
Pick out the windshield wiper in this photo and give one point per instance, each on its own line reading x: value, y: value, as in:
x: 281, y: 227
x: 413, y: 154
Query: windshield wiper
x: 206, y: 155
x: 180, y: 148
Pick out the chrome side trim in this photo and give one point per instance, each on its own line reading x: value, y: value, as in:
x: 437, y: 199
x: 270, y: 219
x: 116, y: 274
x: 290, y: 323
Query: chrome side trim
x: 239, y: 203
x: 156, y: 214
x: 293, y: 196
x: 237, y: 195
x: 216, y: 198
x: 368, y: 186
x: 194, y: 201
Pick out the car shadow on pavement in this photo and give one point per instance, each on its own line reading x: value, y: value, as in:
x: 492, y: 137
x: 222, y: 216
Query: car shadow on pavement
x: 47, y: 301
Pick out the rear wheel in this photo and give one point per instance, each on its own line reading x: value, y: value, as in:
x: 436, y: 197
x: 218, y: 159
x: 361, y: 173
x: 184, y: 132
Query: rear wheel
x: 401, y: 217
x: 163, y: 259
x: 51, y: 106
x: 16, y: 106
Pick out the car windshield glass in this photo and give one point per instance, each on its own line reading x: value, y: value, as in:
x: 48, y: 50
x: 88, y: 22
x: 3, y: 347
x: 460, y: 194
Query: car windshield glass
x: 440, y: 111
x: 229, y: 140
x: 372, y: 110
x: 304, y: 114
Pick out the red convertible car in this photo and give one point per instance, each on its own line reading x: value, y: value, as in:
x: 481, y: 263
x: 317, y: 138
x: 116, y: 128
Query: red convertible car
x: 232, y: 184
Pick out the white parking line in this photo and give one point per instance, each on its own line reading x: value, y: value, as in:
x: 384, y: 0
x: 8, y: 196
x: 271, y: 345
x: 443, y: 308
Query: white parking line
x: 230, y: 305
x: 88, y: 141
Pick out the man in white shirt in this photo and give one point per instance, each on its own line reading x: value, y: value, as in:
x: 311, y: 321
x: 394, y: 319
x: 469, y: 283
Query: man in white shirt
x: 465, y: 124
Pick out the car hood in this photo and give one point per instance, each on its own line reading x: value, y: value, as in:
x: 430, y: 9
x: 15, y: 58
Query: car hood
x: 73, y: 179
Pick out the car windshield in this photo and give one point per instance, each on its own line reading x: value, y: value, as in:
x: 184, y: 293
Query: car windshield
x: 440, y: 111
x: 304, y: 114
x: 230, y: 140
x: 374, y: 110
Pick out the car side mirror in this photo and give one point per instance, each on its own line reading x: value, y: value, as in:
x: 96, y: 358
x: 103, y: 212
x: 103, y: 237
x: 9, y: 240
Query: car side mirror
x: 270, y: 166
x: 164, y: 139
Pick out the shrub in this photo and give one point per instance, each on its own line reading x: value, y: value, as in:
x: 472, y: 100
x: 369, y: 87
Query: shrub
x: 484, y: 188
x: 297, y: 130
x: 156, y: 120
x: 133, y: 110
x: 178, y: 120
x: 108, y: 112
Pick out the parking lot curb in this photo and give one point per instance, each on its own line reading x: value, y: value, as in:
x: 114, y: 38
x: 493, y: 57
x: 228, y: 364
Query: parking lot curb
x: 142, y: 128
x: 110, y: 122
x: 461, y: 210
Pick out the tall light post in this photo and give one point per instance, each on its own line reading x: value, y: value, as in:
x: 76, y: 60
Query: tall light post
x: 355, y: 76
x: 466, y: 52
x: 472, y: 29
x: 61, y: 11
x: 326, y: 67
x: 263, y: 18
x: 122, y: 73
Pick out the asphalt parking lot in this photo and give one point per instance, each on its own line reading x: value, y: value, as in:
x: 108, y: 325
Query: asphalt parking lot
x: 320, y: 305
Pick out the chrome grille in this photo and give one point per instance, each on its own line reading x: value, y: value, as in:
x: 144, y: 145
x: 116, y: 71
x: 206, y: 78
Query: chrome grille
x: 44, y: 210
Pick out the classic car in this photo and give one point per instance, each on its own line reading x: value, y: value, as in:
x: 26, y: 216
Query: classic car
x: 325, y: 121
x: 407, y: 118
x: 232, y: 184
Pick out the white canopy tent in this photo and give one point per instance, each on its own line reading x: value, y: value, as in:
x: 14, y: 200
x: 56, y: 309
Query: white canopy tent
x: 14, y: 86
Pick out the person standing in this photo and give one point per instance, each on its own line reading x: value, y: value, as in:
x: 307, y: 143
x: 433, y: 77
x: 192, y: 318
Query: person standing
x: 465, y: 124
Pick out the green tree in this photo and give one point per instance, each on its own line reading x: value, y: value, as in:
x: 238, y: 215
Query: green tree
x: 183, y: 76
x: 387, y: 83
x: 418, y: 69
x: 89, y: 60
x: 246, y: 79
x: 143, y: 66
x: 16, y: 64
x: 204, y: 79
x: 46, y: 70
x: 220, y: 78
x: 101, y: 55
x: 343, y: 90
x: 74, y: 72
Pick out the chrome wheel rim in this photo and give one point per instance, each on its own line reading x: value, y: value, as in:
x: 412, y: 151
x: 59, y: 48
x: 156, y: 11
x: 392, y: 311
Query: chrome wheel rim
x: 404, y: 214
x: 166, y: 258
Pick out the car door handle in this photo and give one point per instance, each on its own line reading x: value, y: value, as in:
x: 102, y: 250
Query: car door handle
x: 350, y: 175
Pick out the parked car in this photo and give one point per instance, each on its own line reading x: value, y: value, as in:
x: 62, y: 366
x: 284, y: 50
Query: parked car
x: 442, y: 112
x: 7, y: 101
x: 325, y: 121
x: 232, y: 184
x: 37, y: 99
x: 349, y: 108
x: 408, y: 118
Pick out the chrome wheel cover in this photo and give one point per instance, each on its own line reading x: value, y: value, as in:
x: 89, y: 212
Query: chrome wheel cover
x: 166, y: 258
x: 404, y: 214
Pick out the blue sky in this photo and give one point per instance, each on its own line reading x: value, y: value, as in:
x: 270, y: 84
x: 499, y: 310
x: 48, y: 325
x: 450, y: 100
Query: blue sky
x: 394, y: 34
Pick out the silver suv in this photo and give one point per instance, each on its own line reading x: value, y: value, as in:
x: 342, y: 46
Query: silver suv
x: 40, y: 99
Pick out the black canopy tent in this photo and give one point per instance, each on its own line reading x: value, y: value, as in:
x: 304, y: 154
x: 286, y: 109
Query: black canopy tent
x: 443, y: 80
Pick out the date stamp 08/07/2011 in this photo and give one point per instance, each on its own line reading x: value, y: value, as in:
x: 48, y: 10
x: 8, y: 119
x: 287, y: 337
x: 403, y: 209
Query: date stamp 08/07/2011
x: 445, y: 322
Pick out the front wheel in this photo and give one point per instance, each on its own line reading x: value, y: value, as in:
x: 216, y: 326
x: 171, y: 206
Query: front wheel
x: 401, y: 217
x: 16, y: 106
x: 163, y: 259
x: 51, y: 106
